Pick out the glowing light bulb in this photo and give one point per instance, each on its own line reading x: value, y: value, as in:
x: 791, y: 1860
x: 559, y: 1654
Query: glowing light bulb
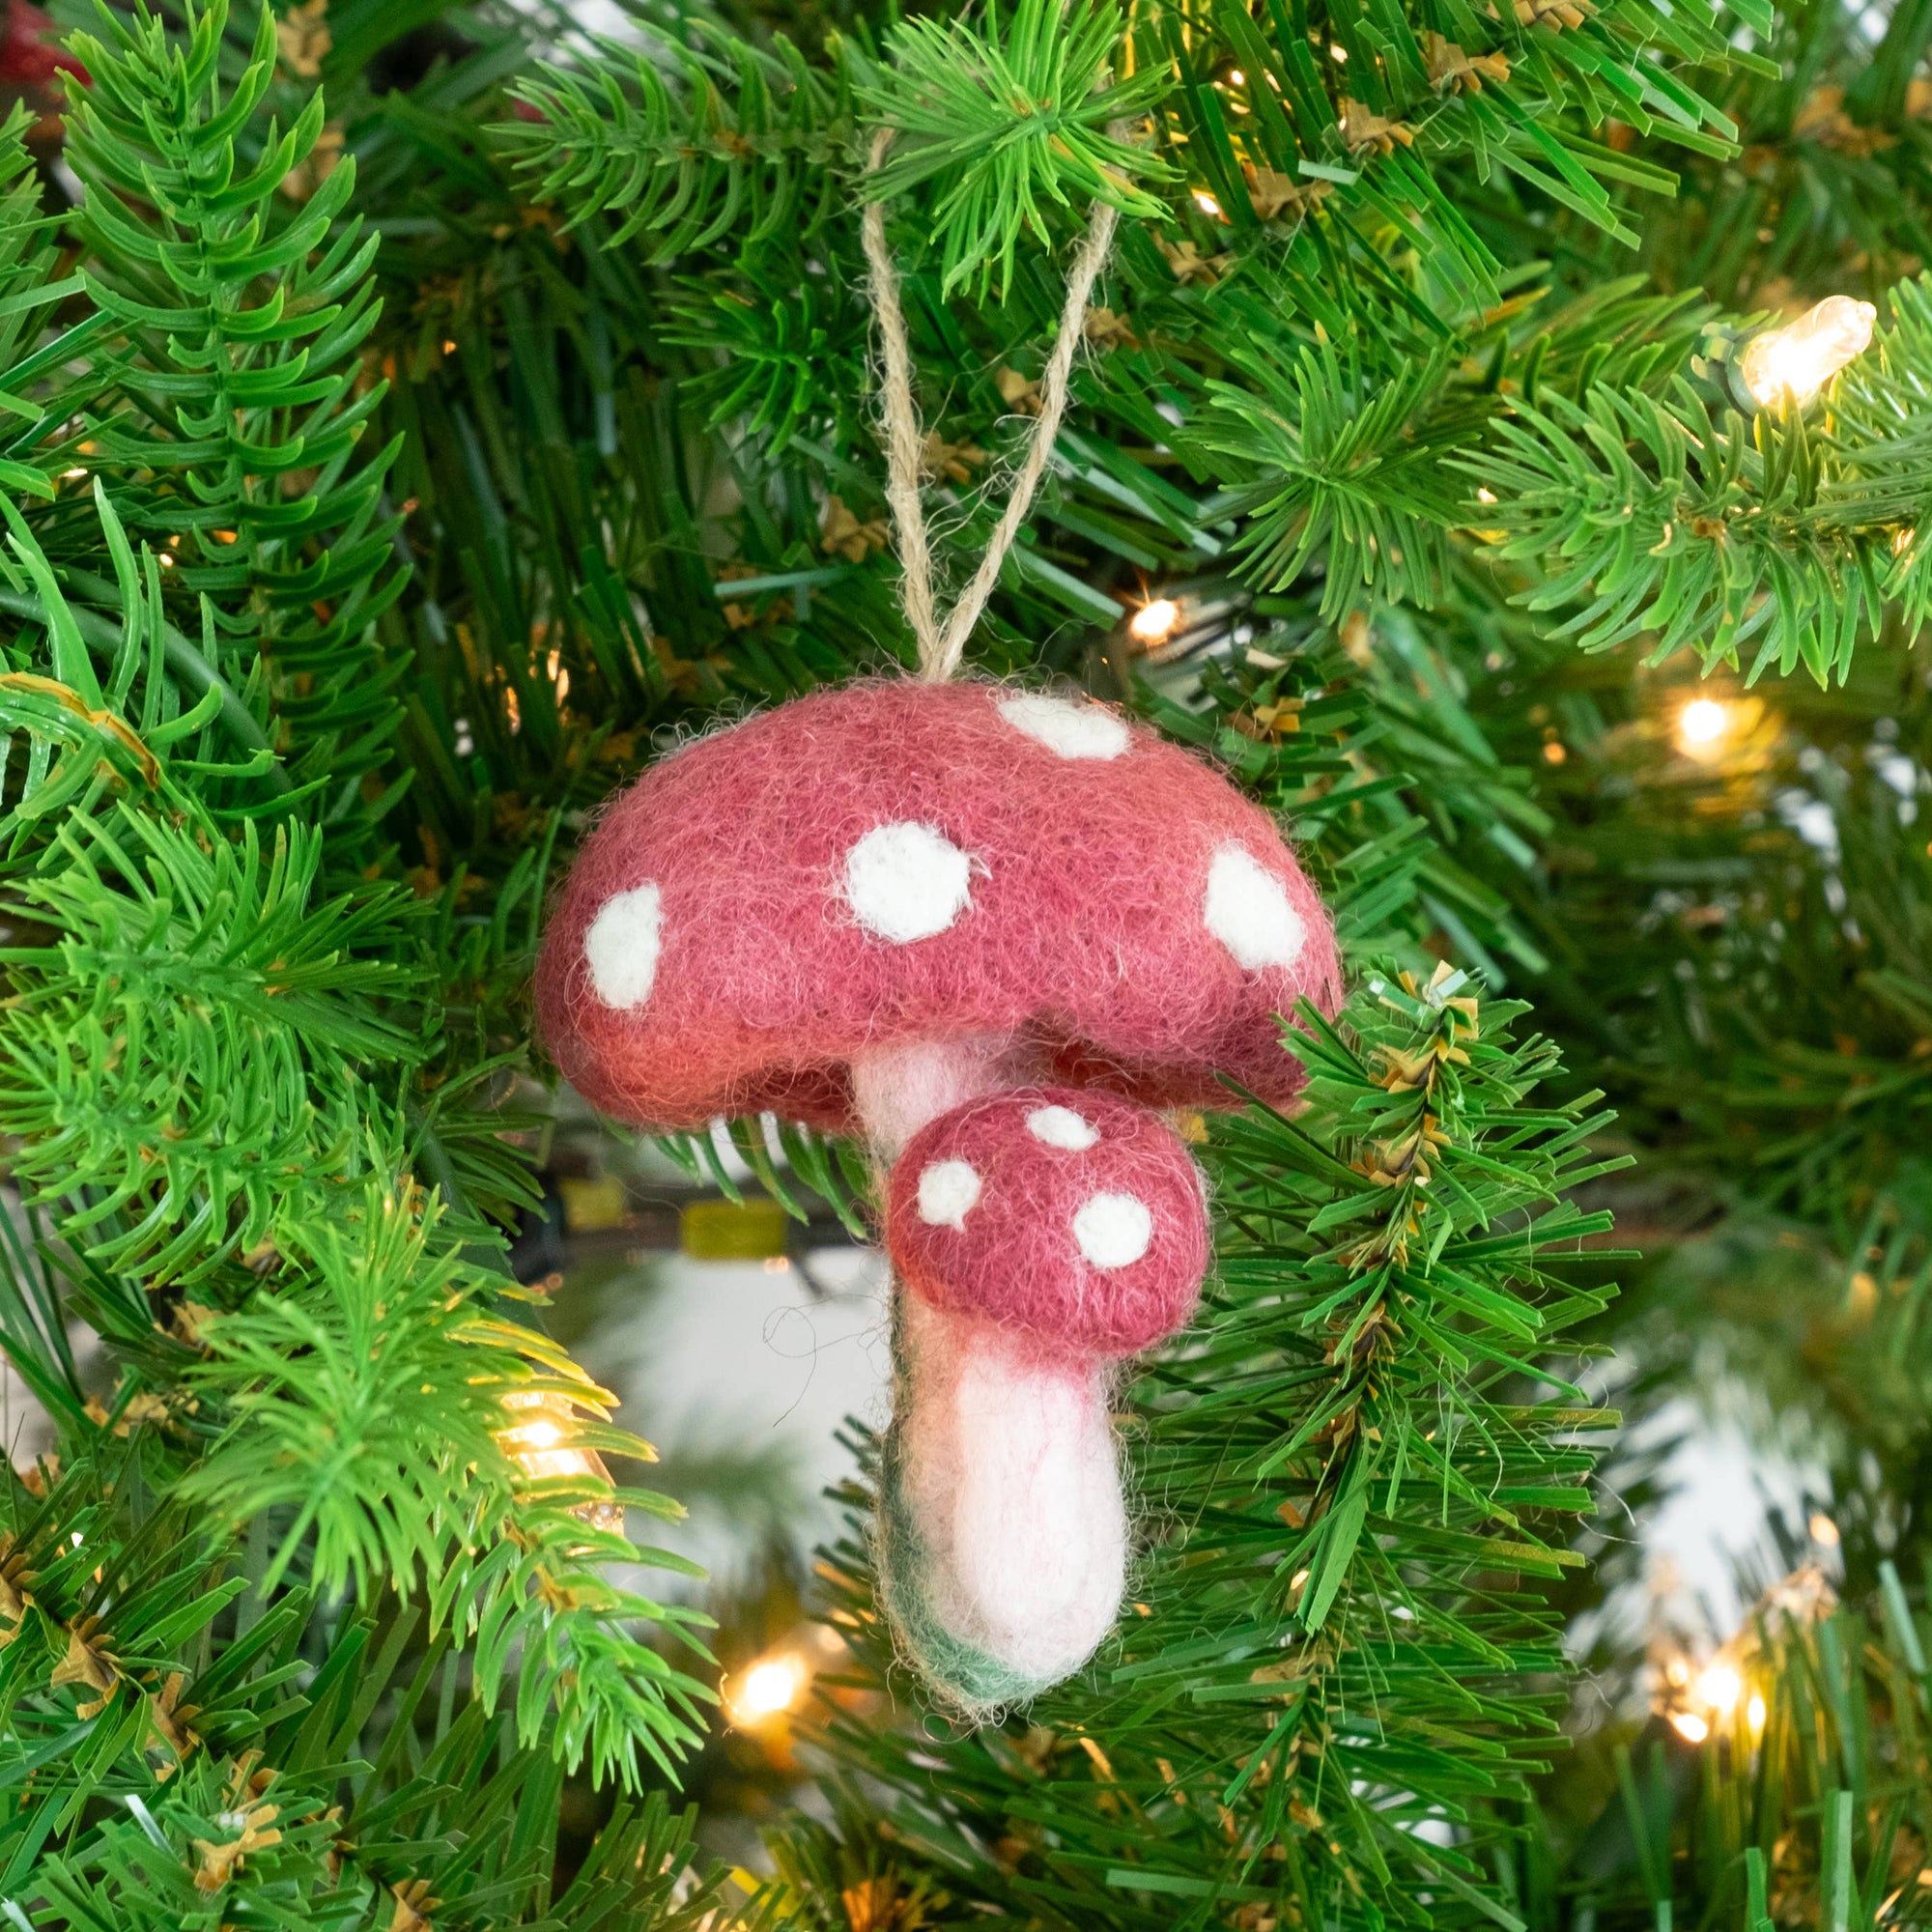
x: 534, y: 1446
x: 1825, y: 1531
x: 765, y: 1691
x: 1237, y: 78
x: 1754, y: 1713
x: 1690, y: 1727
x: 1154, y: 623
x: 1800, y: 359
x: 1721, y: 1687
x: 1703, y: 724
x: 1207, y: 203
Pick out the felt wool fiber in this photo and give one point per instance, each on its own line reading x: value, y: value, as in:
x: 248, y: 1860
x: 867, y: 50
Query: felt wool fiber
x: 1073, y: 1222
x: 1003, y: 1544
x: 896, y: 862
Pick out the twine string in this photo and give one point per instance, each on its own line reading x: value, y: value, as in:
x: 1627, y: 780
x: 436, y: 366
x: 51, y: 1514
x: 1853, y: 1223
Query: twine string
x: 942, y: 644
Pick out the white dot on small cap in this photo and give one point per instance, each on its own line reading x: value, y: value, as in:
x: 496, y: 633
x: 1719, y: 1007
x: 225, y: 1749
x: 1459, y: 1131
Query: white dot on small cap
x: 1247, y: 910
x: 1114, y: 1229
x: 1073, y: 729
x: 906, y: 881
x: 622, y: 946
x: 1062, y: 1127
x: 947, y: 1192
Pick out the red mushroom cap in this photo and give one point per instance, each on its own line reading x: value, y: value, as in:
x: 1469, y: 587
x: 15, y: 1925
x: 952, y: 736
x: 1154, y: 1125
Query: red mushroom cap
x: 894, y: 862
x: 1073, y: 1219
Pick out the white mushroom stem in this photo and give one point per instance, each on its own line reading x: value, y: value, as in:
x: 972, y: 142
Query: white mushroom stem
x: 897, y: 1089
x: 1009, y: 1475
x: 1010, y: 1561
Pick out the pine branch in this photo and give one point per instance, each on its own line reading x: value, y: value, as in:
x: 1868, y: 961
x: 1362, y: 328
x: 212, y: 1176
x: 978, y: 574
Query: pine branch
x: 687, y: 166
x: 327, y: 1772
x: 1005, y: 122
x: 1340, y: 473
x: 245, y: 399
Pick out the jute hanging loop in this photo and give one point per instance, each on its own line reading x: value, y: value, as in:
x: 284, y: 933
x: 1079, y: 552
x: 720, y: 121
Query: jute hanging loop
x: 942, y: 644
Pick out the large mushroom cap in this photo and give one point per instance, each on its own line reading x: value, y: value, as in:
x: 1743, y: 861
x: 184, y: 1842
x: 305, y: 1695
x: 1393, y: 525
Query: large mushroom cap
x: 894, y: 862
x: 1073, y: 1221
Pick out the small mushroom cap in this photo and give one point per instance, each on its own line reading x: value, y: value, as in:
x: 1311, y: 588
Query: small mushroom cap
x: 896, y: 862
x: 1072, y: 1219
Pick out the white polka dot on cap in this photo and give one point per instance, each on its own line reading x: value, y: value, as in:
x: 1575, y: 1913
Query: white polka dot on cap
x: 623, y: 945
x: 1062, y: 1127
x: 1071, y: 728
x: 949, y: 1190
x: 1247, y: 909
x: 907, y: 881
x: 1113, y: 1230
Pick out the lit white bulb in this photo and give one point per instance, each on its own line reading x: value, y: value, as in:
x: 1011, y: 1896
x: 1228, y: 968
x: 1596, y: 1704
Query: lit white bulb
x: 1800, y: 359
x: 1703, y: 723
x: 539, y: 1447
x: 1719, y: 1687
x: 766, y: 1690
x: 1690, y: 1727
x: 1154, y: 623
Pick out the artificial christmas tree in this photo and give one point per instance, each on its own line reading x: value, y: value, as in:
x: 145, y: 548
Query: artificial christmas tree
x: 421, y: 421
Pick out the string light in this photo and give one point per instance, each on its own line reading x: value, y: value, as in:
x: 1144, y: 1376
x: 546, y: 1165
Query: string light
x: 1800, y: 359
x: 774, y: 1686
x: 1207, y: 203
x: 1155, y: 623
x: 1721, y: 1687
x: 1702, y: 1701
x: 765, y: 1690
x: 534, y: 1441
x: 1703, y: 724
x: 1697, y: 1701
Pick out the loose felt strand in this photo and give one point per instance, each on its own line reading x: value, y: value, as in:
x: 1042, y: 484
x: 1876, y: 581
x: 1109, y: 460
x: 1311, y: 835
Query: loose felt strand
x: 940, y: 651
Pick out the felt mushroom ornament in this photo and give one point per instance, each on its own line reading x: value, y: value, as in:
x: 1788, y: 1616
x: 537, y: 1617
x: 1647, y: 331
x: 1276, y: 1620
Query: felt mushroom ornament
x: 993, y: 932
x: 990, y: 931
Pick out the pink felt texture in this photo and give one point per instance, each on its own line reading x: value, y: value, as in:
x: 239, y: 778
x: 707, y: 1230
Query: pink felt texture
x: 1013, y: 1258
x: 1081, y: 943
